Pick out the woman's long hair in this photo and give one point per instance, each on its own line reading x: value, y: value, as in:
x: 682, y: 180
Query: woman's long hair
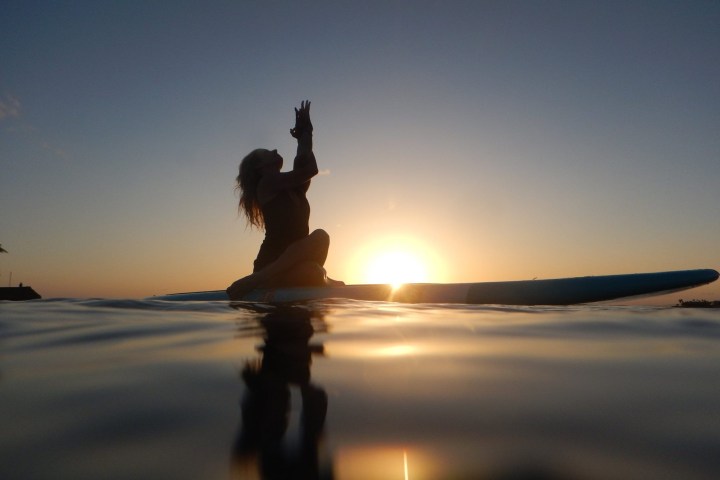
x: 247, y: 182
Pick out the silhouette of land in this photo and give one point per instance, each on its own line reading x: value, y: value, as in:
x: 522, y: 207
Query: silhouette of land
x: 18, y: 293
x: 698, y: 304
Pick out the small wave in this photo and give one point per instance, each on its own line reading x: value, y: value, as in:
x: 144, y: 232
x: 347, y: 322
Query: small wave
x: 133, y: 304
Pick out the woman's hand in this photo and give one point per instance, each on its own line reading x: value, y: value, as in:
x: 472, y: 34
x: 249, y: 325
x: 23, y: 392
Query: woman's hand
x: 302, y: 120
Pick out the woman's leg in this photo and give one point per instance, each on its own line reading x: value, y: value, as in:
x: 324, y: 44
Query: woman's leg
x: 304, y: 274
x: 313, y: 248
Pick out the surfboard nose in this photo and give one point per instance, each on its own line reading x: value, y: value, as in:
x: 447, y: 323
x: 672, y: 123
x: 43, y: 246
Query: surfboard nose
x: 712, y: 275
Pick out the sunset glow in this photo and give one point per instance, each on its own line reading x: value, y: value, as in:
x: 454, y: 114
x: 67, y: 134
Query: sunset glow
x: 396, y: 268
x: 397, y: 260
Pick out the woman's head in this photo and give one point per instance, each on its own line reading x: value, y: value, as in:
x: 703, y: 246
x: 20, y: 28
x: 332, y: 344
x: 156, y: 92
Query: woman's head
x: 250, y: 172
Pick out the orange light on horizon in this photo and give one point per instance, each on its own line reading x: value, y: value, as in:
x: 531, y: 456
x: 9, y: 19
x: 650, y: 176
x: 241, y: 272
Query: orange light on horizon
x: 396, y: 267
x: 396, y: 261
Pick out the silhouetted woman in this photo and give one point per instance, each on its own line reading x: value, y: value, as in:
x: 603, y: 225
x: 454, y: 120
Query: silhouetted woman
x: 276, y: 201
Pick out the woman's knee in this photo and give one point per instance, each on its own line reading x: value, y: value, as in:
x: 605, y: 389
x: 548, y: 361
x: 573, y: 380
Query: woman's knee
x: 321, y: 237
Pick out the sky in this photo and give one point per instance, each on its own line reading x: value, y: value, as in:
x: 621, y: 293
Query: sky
x: 488, y: 140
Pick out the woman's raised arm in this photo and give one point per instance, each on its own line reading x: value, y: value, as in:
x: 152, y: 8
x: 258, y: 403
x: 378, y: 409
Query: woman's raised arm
x: 303, y: 130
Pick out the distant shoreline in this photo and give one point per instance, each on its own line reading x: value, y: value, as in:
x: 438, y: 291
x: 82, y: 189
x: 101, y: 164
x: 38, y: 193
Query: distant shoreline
x: 698, y: 304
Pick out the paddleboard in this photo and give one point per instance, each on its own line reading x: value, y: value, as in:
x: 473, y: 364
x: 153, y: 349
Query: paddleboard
x: 559, y: 291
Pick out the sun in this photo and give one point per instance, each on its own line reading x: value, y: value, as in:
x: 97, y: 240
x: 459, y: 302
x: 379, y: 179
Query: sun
x: 395, y: 259
x: 396, y: 267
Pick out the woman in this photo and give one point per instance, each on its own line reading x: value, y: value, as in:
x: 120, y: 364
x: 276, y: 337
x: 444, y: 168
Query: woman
x: 276, y: 201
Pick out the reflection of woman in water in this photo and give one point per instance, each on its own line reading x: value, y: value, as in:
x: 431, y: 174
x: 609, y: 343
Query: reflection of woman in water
x: 286, y: 359
x: 276, y: 201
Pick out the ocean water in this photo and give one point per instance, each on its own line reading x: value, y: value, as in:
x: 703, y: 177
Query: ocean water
x: 128, y: 389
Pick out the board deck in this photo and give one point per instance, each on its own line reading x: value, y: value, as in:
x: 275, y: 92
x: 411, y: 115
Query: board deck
x: 559, y: 291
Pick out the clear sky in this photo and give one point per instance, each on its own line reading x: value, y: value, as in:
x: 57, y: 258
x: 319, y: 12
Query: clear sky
x: 492, y: 140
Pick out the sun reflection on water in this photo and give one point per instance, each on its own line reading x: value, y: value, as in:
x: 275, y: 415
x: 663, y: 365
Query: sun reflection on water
x: 394, y: 351
x: 391, y: 461
x: 405, y: 464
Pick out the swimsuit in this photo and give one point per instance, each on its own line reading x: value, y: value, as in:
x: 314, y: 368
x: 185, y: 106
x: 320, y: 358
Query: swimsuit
x: 286, y: 221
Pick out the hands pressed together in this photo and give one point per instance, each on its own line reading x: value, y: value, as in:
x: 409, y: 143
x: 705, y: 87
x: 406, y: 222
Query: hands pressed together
x: 302, y: 120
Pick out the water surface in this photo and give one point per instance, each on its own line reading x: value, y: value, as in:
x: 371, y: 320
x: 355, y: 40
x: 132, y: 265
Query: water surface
x: 356, y: 390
